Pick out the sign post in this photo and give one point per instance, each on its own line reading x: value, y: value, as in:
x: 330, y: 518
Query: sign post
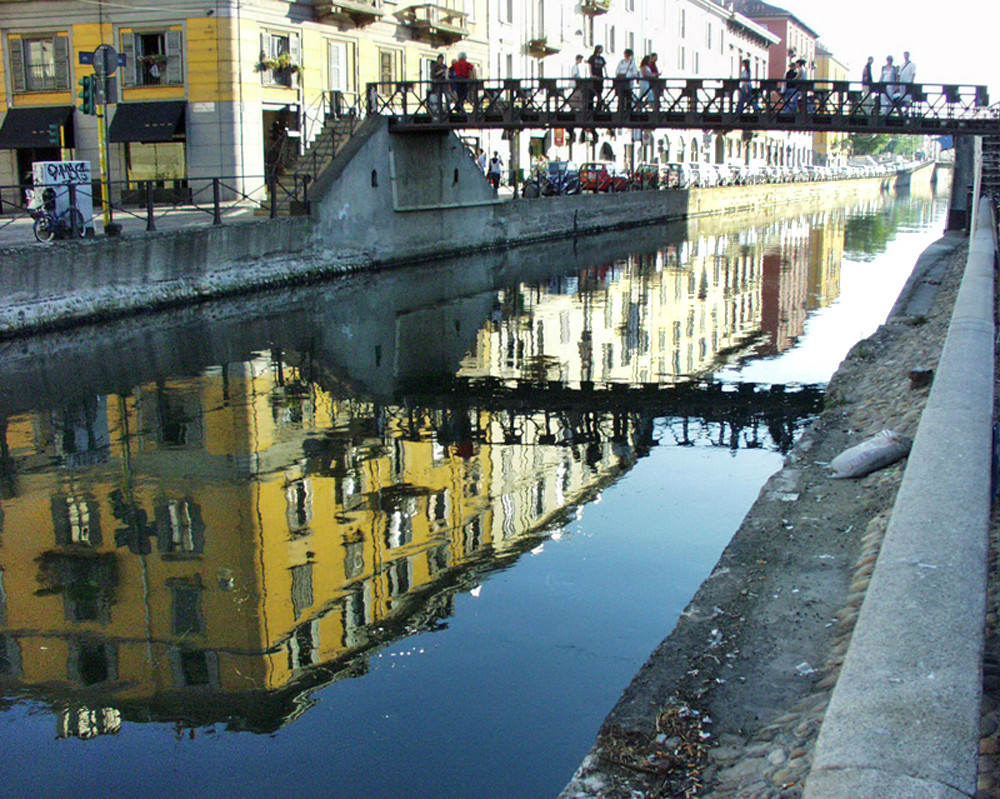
x: 98, y: 91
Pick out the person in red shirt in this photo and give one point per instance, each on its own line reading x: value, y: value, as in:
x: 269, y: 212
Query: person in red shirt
x: 463, y: 72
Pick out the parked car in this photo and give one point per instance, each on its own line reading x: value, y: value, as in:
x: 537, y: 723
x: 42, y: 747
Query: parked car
x: 646, y: 176
x: 704, y: 176
x: 602, y: 176
x: 676, y: 175
x: 556, y: 178
x: 726, y: 175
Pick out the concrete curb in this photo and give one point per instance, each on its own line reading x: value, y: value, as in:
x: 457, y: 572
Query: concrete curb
x: 903, y: 720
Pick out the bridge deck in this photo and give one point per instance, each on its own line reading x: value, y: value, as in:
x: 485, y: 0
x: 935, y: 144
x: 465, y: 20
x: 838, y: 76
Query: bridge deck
x: 709, y: 104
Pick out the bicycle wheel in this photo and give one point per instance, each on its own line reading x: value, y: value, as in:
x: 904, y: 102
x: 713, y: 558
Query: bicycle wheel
x: 44, y: 228
x: 72, y: 221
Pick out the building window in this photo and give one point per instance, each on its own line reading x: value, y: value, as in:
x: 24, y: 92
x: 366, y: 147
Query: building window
x: 302, y: 589
x: 75, y: 520
x: 194, y: 668
x: 388, y: 66
x: 179, y: 528
x: 708, y: 35
x: 681, y: 59
x: 39, y: 64
x: 185, y: 606
x: 280, y: 58
x: 298, y: 507
x: 153, y: 58
x: 338, y: 64
x: 91, y: 662
x: 682, y: 24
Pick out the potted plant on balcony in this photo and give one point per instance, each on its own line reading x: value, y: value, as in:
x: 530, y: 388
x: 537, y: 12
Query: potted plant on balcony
x: 280, y: 63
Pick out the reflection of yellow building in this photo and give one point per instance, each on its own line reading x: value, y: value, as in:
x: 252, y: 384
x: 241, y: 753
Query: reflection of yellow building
x: 206, y: 541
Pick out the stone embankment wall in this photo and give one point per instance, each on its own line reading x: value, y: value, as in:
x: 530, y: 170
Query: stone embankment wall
x: 386, y: 201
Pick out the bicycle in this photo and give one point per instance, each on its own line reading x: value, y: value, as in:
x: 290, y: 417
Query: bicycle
x: 49, y: 224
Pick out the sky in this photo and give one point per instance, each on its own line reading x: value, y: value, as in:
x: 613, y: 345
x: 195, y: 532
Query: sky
x: 949, y: 42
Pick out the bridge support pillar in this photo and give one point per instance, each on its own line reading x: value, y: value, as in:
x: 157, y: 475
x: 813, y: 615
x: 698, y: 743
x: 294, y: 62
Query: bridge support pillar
x: 967, y: 150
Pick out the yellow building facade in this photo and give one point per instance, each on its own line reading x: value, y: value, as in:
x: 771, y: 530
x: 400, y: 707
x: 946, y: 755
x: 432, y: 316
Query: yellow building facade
x: 210, y: 89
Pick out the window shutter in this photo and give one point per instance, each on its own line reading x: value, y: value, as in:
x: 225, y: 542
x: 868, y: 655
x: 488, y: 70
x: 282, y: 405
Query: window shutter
x: 338, y: 66
x: 294, y: 49
x: 60, y: 50
x: 174, y: 41
x: 19, y: 78
x: 131, y: 67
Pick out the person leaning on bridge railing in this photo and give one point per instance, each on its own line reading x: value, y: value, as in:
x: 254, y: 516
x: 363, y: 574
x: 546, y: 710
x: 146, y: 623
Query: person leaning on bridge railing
x: 463, y: 74
x: 436, y: 97
x: 747, y: 95
x: 625, y: 74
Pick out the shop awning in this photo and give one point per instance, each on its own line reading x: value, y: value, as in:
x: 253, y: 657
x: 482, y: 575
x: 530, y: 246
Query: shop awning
x: 29, y: 127
x: 148, y: 122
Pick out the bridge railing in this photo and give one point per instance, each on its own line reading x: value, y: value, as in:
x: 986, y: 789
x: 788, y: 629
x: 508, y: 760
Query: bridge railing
x: 687, y: 102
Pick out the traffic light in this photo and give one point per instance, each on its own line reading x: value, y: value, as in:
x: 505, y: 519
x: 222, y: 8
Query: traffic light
x: 87, y: 95
x: 55, y: 134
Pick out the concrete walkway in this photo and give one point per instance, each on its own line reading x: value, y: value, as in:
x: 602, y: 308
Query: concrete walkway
x: 903, y: 720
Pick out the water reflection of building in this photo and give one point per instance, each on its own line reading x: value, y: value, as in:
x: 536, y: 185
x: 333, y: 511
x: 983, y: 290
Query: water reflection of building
x: 210, y: 548
x: 664, y: 317
x: 801, y: 272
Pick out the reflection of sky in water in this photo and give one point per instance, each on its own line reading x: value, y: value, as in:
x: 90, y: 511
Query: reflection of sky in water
x: 868, y: 290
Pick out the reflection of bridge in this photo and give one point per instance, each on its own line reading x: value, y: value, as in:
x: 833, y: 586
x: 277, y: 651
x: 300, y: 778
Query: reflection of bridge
x: 555, y: 414
x: 701, y: 103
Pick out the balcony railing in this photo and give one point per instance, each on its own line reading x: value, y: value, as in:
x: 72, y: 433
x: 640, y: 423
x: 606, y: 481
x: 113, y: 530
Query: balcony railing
x: 539, y: 47
x: 595, y: 7
x: 435, y: 23
x: 46, y: 78
x: 353, y: 12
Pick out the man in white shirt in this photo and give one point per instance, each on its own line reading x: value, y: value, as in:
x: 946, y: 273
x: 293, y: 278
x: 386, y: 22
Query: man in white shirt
x: 907, y: 74
x: 625, y: 74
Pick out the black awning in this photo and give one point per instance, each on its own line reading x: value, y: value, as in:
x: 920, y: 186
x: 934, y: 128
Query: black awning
x: 29, y: 127
x: 148, y: 122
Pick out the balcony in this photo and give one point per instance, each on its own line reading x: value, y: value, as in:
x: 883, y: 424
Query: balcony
x: 436, y: 24
x: 539, y: 47
x: 595, y: 7
x: 349, y: 12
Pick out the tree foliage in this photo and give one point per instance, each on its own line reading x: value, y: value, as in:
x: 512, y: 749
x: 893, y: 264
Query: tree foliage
x: 878, y: 143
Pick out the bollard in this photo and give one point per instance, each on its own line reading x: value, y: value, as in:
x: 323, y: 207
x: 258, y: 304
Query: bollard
x: 150, y: 220
x: 74, y: 231
x: 216, y: 209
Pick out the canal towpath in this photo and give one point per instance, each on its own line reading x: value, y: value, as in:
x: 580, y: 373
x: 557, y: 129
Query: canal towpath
x: 731, y: 704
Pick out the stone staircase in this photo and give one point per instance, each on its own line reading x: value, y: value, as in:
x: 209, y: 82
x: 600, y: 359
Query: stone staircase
x: 297, y: 173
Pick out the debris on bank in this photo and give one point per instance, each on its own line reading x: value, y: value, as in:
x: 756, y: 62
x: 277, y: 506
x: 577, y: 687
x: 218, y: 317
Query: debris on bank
x: 881, y: 450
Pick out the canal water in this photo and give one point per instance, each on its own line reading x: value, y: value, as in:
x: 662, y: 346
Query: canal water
x: 410, y: 534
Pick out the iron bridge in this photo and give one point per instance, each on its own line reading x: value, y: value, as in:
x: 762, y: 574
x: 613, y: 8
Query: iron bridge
x: 697, y: 103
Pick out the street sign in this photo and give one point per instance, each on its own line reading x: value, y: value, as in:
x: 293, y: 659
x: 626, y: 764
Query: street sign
x: 87, y: 58
x: 105, y: 60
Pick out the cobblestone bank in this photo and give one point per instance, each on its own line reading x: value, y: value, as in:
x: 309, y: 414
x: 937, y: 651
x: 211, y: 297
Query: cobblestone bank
x: 756, y: 654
